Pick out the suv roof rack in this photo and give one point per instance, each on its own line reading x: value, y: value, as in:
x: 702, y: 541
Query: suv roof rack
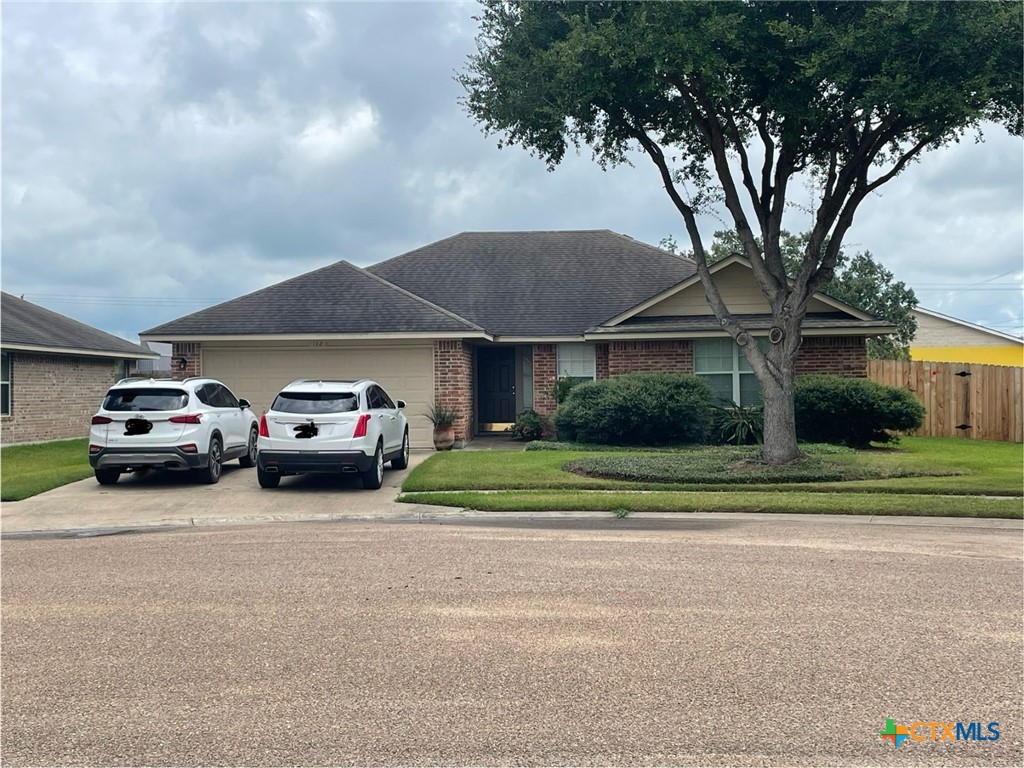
x: 130, y: 379
x: 319, y: 381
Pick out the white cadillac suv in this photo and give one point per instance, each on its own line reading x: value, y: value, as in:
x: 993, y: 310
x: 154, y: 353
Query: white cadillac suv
x: 195, y: 424
x: 332, y: 426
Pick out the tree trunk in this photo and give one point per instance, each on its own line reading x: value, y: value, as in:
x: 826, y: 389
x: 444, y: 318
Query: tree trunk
x: 779, y: 419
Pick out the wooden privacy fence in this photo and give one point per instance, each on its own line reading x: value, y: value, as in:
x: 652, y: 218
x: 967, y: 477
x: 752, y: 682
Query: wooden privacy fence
x: 962, y: 399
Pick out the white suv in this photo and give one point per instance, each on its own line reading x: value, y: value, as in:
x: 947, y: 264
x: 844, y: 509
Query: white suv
x: 332, y: 426
x: 169, y: 424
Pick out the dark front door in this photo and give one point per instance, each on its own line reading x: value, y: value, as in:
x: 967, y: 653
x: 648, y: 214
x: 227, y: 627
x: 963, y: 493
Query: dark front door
x: 496, y: 391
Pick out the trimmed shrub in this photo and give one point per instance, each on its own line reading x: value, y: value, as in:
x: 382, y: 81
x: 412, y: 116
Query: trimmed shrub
x: 530, y: 425
x: 637, y: 409
x: 854, y: 412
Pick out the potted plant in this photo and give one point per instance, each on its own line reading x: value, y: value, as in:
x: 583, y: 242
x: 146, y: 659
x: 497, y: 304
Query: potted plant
x: 443, y: 420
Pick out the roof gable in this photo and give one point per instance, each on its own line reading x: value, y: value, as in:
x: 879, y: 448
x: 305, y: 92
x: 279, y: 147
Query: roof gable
x: 931, y: 325
x: 337, y: 299
x: 739, y: 290
x: 24, y: 325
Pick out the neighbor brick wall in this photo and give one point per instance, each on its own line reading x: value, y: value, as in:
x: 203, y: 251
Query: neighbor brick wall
x: 545, y: 365
x: 840, y: 355
x: 193, y: 354
x: 453, y: 383
x: 635, y: 356
x: 53, y: 397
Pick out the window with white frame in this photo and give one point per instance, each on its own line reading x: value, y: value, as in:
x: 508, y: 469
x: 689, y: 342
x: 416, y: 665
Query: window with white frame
x: 726, y: 369
x: 5, y: 384
x: 577, y: 362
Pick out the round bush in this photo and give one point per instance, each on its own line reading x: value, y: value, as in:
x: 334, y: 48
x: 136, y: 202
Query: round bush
x: 637, y: 409
x: 530, y: 425
x: 854, y: 412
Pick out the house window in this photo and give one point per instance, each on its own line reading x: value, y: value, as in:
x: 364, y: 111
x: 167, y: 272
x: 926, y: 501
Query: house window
x: 5, y: 384
x: 577, y: 362
x: 726, y: 369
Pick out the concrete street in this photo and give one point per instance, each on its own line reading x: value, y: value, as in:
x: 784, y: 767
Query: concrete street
x: 704, y: 641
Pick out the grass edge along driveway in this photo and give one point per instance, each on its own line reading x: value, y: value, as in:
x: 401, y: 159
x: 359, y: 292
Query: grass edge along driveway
x: 27, y: 470
x: 974, y: 479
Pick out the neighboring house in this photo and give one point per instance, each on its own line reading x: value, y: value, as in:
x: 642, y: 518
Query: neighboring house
x: 485, y: 321
x: 55, y: 371
x: 944, y: 339
x: 158, y: 367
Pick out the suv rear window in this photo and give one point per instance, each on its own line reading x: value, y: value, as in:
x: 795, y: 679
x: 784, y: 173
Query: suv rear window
x: 145, y: 399
x: 315, y: 402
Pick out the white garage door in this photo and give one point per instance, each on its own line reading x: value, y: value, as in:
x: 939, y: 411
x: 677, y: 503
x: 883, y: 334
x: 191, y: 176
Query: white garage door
x: 257, y: 373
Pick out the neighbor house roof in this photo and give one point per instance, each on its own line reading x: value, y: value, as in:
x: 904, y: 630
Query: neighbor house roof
x: 27, y: 326
x: 536, y: 283
x: 338, y: 299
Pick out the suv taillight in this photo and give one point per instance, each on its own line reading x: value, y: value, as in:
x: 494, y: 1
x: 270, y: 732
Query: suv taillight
x: 192, y: 418
x: 101, y: 420
x: 361, y: 426
x: 264, y: 429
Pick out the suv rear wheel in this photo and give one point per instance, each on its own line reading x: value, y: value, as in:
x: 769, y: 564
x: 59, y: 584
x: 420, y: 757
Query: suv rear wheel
x: 373, y: 478
x: 249, y: 458
x: 267, y: 480
x: 210, y: 474
x: 107, y: 476
x: 402, y: 461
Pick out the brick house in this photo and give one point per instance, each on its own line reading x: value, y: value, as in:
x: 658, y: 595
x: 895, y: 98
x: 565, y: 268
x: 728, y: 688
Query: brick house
x: 485, y: 321
x: 54, y: 372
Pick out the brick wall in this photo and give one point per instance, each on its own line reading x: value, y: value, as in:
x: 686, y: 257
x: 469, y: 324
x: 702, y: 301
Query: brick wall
x: 453, y: 383
x: 634, y: 356
x: 545, y: 365
x: 53, y: 397
x: 840, y: 355
x: 193, y: 354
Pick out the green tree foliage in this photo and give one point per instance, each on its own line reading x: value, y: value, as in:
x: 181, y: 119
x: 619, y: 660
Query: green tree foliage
x: 859, y: 281
x: 733, y: 101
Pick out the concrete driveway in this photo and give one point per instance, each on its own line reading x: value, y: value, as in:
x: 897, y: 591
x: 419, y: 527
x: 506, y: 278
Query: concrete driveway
x: 173, y: 498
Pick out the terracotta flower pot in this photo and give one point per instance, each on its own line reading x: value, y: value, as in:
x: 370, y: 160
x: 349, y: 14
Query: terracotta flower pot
x: 444, y: 438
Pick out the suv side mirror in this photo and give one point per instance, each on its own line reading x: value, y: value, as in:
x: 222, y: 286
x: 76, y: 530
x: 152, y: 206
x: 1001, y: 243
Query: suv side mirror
x: 400, y: 403
x: 243, y: 403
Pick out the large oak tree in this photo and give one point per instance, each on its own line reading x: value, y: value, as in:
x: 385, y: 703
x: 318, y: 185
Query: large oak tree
x: 733, y: 101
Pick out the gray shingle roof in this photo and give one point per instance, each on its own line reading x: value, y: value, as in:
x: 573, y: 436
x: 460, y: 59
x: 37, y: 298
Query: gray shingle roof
x: 536, y: 283
x: 28, y: 324
x: 340, y: 298
x: 695, y: 324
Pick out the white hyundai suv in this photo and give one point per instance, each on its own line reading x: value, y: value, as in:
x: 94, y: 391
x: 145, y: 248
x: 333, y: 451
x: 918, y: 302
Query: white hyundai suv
x: 195, y: 424
x: 332, y: 426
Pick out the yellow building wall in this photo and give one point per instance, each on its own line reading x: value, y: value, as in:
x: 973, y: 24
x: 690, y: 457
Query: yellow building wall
x: 1010, y: 354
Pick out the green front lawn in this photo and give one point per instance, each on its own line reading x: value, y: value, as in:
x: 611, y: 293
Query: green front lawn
x: 725, y: 501
x: 26, y: 470
x: 922, y: 476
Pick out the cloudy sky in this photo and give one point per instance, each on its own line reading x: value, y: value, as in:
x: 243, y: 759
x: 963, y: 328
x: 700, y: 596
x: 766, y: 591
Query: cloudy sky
x: 161, y: 158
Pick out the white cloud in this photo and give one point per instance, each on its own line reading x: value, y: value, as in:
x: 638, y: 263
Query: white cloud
x: 322, y: 27
x: 330, y: 138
